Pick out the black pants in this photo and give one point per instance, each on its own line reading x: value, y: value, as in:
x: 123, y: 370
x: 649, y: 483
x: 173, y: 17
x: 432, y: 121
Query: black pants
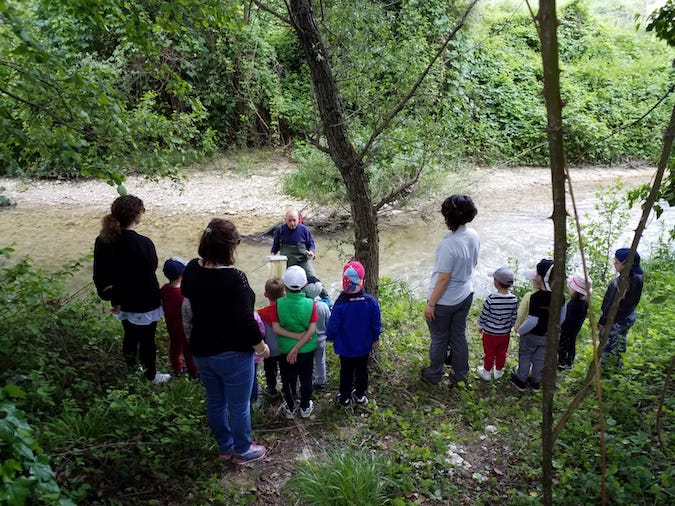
x: 139, y: 343
x: 567, y: 350
x: 353, y: 374
x: 302, y: 369
x: 270, y: 365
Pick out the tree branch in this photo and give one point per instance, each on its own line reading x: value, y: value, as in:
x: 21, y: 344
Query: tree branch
x: 394, y: 194
x: 274, y: 13
x: 392, y: 114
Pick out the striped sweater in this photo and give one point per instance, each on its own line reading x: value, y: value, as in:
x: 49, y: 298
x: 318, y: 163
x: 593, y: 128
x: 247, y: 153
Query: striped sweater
x: 499, y: 313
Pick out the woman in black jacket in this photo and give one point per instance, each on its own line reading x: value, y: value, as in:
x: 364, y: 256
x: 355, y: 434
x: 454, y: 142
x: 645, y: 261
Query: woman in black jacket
x: 124, y: 273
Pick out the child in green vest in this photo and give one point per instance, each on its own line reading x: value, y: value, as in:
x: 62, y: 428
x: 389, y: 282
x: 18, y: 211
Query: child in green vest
x: 295, y: 327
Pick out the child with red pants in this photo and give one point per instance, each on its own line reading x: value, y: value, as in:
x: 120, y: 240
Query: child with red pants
x: 172, y: 302
x: 495, y: 322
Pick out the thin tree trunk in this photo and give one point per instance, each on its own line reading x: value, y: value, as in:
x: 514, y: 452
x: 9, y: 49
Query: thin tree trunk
x: 548, y: 26
x: 340, y: 147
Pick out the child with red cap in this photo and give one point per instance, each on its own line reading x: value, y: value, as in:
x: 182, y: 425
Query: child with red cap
x: 354, y: 327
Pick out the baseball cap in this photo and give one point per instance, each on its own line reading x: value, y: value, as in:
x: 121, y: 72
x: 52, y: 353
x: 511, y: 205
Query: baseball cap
x: 174, y: 268
x: 504, y: 275
x: 295, y: 278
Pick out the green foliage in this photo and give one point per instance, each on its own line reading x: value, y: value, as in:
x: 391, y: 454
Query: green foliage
x: 599, y: 233
x: 340, y: 478
x: 112, y: 436
x: 662, y: 22
x: 27, y: 477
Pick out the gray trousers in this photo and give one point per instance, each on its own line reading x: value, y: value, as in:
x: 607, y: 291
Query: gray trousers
x: 448, y: 330
x: 531, y: 354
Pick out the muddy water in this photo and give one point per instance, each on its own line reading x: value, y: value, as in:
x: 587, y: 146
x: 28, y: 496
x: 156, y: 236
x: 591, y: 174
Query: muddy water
x: 513, y: 226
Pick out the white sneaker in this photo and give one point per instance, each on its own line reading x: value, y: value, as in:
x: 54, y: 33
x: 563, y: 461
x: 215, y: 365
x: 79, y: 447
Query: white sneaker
x: 498, y: 373
x: 288, y: 413
x: 304, y: 413
x: 161, y: 378
x: 483, y: 373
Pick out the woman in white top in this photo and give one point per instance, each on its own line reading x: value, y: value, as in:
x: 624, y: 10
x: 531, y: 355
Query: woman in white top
x: 451, y: 291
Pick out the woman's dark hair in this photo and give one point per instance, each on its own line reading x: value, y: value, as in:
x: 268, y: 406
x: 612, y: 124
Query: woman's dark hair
x: 458, y: 210
x: 124, y: 211
x: 219, y: 242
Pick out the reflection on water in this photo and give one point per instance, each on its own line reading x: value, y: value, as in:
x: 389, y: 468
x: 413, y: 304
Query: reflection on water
x: 59, y: 236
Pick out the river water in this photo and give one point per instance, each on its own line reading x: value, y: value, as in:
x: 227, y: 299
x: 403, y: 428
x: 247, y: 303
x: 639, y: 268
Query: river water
x: 513, y: 224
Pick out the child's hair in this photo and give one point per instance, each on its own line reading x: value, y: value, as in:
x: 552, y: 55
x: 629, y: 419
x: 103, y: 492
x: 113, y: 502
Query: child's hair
x: 274, y: 288
x: 219, y: 242
x: 123, y: 212
x: 502, y: 285
x: 577, y: 296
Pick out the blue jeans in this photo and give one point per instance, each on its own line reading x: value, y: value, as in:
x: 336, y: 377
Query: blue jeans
x: 228, y: 379
x: 617, y: 341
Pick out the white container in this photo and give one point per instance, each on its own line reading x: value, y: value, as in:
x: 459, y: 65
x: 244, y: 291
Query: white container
x: 276, y: 265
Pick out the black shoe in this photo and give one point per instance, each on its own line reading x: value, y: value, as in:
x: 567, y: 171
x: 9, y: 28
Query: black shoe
x: 427, y: 380
x: 271, y: 392
x: 520, y: 385
x: 345, y: 403
x: 319, y: 386
x: 534, y: 386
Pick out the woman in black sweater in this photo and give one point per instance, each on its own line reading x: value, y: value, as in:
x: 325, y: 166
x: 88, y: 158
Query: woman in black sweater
x: 223, y: 338
x: 124, y: 273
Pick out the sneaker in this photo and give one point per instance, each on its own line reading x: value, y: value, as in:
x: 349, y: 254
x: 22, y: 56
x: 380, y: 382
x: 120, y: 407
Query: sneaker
x: 304, y: 413
x: 225, y: 456
x: 534, y: 386
x: 483, y: 373
x: 497, y: 373
x: 345, y: 403
x: 160, y: 378
x: 287, y: 412
x: 361, y: 401
x: 319, y: 386
x: 520, y: 385
x: 255, y: 452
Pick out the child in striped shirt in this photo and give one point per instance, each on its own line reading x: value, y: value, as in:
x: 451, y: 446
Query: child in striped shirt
x: 495, y: 322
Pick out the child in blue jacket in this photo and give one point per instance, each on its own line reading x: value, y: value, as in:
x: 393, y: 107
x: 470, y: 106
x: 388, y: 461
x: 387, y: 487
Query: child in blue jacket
x: 354, y: 327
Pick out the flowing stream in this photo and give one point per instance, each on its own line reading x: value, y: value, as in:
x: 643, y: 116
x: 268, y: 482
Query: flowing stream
x: 513, y: 224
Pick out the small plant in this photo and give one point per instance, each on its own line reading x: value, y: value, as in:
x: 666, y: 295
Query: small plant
x: 340, y: 478
x: 27, y: 477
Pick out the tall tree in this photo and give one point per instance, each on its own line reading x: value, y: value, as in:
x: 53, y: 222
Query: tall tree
x: 349, y: 160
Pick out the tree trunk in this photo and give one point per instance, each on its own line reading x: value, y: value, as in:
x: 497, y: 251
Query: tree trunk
x: 340, y: 147
x: 548, y: 26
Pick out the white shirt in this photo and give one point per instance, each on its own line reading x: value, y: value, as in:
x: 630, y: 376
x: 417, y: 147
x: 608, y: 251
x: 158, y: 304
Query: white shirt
x: 457, y: 253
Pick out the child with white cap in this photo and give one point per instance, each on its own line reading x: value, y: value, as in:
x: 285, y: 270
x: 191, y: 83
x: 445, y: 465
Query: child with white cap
x: 495, y: 322
x: 295, y: 326
x: 533, y: 331
x: 575, y: 314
